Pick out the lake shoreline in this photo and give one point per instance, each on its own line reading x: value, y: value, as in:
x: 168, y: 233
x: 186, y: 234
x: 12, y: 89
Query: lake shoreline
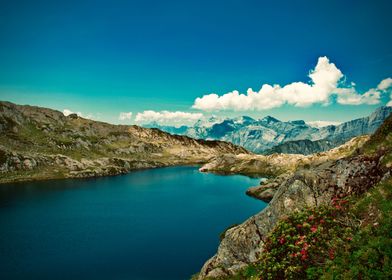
x: 49, y: 177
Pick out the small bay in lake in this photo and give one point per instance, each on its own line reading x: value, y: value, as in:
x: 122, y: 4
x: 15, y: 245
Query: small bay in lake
x: 152, y: 224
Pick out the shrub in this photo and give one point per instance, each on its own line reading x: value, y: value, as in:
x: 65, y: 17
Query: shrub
x: 300, y: 245
x: 369, y: 255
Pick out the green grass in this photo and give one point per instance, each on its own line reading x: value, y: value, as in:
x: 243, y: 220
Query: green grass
x: 381, y: 139
x: 369, y: 256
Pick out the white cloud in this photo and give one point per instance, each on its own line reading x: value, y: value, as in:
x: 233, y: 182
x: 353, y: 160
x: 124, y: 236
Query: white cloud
x: 349, y: 96
x: 322, y: 123
x: 385, y: 84
x: 176, y: 118
x: 390, y: 101
x: 325, y: 83
x: 68, y: 112
x: 125, y: 116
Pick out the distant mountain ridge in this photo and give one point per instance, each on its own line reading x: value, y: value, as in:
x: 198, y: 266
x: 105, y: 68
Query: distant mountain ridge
x: 269, y: 135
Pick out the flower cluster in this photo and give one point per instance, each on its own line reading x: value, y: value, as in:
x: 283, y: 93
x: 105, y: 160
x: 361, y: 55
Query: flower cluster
x: 305, y: 239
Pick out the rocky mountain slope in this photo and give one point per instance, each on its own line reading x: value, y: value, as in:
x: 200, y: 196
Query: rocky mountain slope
x: 314, y: 185
x: 269, y: 135
x: 304, y: 147
x: 40, y: 143
x: 276, y: 164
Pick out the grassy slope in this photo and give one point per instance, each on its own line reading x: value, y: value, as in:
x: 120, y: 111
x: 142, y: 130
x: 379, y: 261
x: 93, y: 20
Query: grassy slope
x: 369, y: 255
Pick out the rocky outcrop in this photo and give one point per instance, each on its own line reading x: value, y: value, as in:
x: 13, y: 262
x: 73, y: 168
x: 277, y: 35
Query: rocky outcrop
x: 267, y: 188
x: 12, y: 161
x: 40, y: 143
x: 249, y: 164
x: 243, y: 244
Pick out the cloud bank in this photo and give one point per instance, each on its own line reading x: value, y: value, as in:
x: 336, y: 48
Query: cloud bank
x: 322, y: 123
x: 326, y: 83
x: 125, y: 116
x: 176, y: 118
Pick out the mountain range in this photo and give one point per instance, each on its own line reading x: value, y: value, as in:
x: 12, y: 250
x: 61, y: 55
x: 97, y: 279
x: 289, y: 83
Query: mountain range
x: 270, y: 135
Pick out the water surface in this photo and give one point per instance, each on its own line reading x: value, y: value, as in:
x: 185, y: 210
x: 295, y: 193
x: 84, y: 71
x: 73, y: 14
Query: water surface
x: 152, y: 224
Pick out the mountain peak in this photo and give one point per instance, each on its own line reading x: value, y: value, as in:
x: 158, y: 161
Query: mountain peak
x: 298, y: 122
x: 243, y: 120
x: 270, y: 119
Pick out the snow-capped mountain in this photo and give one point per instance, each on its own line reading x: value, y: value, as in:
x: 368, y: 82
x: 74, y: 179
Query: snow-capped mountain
x: 261, y: 135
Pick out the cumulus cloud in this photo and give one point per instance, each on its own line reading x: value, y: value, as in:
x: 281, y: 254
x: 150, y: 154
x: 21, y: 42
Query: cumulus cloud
x: 349, y: 96
x: 176, y: 118
x: 68, y: 112
x: 326, y: 82
x: 125, y: 116
x: 390, y: 101
x: 385, y: 84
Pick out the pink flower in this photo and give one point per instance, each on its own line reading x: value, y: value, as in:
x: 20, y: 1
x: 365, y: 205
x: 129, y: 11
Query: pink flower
x: 282, y: 240
x: 313, y: 228
x: 331, y: 254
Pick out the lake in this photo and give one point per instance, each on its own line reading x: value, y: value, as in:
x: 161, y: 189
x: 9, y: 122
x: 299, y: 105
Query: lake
x: 152, y: 224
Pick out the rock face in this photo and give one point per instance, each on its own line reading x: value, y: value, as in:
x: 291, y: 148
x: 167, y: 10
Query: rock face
x: 305, y: 147
x: 268, y: 188
x: 269, y: 135
x: 308, y: 186
x: 40, y: 143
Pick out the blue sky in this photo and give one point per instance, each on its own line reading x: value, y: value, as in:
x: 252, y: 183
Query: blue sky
x: 102, y: 58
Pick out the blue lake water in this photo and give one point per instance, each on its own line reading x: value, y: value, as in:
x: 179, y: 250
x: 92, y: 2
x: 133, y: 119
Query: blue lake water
x: 151, y: 224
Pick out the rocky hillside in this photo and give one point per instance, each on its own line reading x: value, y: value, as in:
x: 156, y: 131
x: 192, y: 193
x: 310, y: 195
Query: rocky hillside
x: 270, y: 135
x: 304, y: 147
x: 276, y: 164
x: 40, y: 143
x: 317, y: 185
